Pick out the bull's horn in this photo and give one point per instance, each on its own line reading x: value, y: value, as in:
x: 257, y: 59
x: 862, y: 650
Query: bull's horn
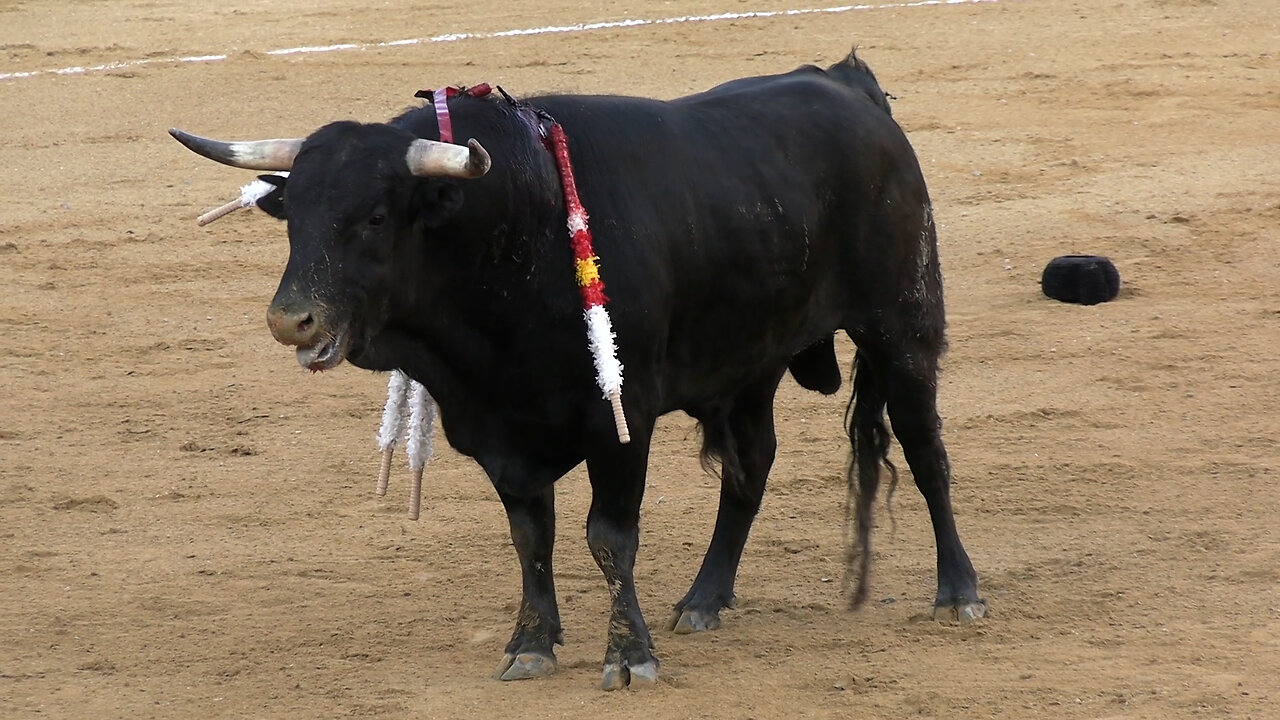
x: 273, y: 155
x: 430, y: 158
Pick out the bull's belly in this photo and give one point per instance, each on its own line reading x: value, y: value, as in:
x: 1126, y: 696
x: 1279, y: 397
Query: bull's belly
x: 718, y: 364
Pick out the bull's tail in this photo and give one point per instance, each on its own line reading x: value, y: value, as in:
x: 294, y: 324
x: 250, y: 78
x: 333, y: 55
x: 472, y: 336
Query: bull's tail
x: 865, y: 423
x: 855, y: 73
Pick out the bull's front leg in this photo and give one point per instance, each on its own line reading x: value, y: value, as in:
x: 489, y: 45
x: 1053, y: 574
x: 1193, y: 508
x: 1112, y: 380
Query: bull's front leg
x: 613, y: 534
x: 531, y: 652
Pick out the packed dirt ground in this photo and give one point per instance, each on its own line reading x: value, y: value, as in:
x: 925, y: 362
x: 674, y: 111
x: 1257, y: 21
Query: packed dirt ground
x: 187, y: 520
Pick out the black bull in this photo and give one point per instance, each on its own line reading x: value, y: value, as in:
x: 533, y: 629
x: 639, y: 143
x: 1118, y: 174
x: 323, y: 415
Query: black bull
x: 738, y: 229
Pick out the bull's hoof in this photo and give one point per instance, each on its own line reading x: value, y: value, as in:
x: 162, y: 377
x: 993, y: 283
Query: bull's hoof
x: 692, y: 620
x: 618, y: 676
x: 525, y: 665
x: 963, y: 614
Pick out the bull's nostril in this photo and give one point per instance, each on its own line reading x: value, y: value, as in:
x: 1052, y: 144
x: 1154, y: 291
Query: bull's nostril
x: 294, y: 328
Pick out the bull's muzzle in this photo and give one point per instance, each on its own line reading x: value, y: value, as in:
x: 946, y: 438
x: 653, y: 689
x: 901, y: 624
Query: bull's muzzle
x: 299, y: 328
x: 320, y: 347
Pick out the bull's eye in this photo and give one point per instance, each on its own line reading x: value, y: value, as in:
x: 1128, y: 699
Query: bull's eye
x: 377, y: 219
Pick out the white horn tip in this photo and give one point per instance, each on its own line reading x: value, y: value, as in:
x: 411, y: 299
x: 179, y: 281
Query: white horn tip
x: 479, y: 162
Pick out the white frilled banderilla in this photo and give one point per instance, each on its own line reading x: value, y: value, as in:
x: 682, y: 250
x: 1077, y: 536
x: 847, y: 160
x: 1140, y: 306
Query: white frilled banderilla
x: 407, y: 400
x: 249, y: 196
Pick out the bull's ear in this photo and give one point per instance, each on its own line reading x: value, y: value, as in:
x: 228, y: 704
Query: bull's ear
x: 273, y: 202
x: 438, y: 200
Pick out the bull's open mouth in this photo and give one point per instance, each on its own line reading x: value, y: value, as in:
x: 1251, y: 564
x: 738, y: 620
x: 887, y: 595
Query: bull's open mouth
x: 324, y: 355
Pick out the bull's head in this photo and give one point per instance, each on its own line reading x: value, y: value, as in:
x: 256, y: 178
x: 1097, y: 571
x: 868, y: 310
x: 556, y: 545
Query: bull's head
x: 355, y: 194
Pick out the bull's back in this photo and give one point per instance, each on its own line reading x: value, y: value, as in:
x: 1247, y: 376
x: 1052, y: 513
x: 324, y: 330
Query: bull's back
x: 736, y: 213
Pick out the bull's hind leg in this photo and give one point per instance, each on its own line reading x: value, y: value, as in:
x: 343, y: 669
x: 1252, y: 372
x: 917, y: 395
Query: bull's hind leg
x: 908, y: 381
x: 745, y: 443
x: 531, y: 652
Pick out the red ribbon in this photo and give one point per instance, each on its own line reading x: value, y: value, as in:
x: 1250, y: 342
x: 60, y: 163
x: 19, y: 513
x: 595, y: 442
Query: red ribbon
x: 442, y: 115
x: 441, y: 101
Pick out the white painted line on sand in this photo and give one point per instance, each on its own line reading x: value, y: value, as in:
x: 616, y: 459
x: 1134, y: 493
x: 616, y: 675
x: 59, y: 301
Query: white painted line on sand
x: 455, y: 37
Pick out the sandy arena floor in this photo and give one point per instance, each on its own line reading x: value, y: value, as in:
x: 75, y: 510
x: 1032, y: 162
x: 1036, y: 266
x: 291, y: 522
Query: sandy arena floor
x: 187, y: 519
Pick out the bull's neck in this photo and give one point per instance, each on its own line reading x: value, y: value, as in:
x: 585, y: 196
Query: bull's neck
x: 501, y: 266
